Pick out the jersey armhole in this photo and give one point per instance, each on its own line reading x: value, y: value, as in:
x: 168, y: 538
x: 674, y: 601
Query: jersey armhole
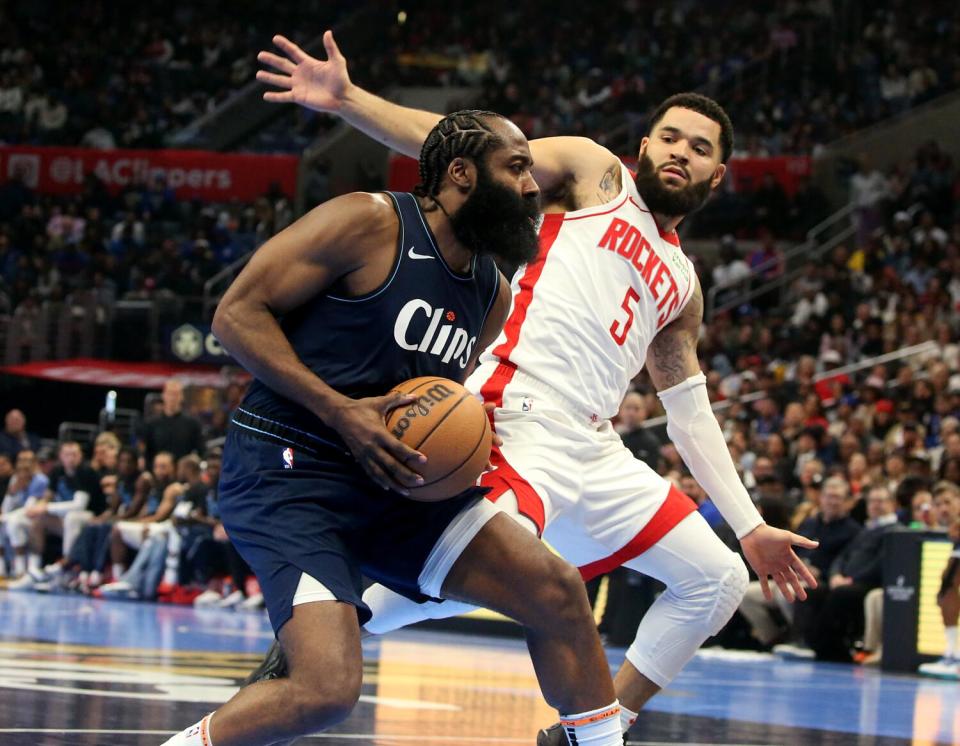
x: 396, y: 262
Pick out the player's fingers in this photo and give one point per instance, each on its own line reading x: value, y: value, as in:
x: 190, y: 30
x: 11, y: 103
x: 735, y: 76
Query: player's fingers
x: 799, y: 592
x: 280, y: 81
x: 392, y: 401
x: 497, y: 440
x: 781, y: 580
x: 402, y: 452
x: 380, y: 477
x: 765, y: 586
x: 276, y: 62
x: 330, y: 44
x: 803, y: 541
x: 279, y: 97
x: 804, y: 573
x: 289, y: 48
x: 399, y: 474
x: 489, y: 406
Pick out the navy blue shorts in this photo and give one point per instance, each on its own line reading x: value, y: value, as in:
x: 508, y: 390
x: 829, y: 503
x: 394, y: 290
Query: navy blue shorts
x: 293, y: 509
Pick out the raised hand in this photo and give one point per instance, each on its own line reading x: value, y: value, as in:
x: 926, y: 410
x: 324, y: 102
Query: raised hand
x: 319, y: 85
x: 383, y: 456
x: 770, y: 552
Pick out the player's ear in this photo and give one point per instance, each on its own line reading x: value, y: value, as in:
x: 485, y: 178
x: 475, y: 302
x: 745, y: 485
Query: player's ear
x: 718, y: 175
x: 462, y: 173
x: 643, y: 146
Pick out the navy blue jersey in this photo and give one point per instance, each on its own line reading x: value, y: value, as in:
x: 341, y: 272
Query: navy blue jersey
x: 423, y: 321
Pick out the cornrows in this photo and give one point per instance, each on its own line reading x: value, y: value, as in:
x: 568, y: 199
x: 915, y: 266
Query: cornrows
x: 462, y: 134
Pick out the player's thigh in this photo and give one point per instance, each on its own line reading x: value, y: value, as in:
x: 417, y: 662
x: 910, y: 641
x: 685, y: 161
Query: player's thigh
x: 689, y: 557
x: 507, y: 503
x: 507, y: 569
x: 51, y: 524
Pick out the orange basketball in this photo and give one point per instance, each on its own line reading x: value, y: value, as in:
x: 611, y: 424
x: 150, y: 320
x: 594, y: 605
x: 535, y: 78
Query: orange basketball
x: 449, y: 426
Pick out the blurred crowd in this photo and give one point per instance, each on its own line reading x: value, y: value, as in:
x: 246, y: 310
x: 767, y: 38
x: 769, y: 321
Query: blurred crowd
x: 128, y: 75
x: 793, y: 76
x: 137, y: 520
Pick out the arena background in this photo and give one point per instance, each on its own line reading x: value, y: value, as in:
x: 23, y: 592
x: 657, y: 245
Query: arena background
x: 140, y: 168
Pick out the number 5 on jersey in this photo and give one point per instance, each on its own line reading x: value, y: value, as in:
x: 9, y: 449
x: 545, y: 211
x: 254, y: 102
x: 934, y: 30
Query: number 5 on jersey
x: 619, y: 329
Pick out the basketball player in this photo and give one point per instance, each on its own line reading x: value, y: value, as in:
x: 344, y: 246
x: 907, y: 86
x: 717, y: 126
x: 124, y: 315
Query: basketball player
x: 610, y: 292
x: 366, y: 291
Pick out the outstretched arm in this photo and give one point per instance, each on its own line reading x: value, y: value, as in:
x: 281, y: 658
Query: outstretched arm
x: 325, y: 85
x: 675, y: 371
x: 575, y: 168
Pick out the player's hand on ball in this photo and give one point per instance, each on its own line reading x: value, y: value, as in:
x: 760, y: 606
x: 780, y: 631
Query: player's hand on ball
x: 385, y: 458
x: 320, y: 85
x: 770, y: 553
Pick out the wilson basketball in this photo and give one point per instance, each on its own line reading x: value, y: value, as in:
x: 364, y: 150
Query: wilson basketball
x: 449, y: 426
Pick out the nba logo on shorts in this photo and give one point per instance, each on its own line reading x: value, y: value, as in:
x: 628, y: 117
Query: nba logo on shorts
x: 287, y: 458
x: 526, y: 404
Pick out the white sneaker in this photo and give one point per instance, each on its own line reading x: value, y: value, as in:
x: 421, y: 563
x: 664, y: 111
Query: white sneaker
x: 118, y: 589
x: 788, y: 650
x: 96, y: 579
x: 232, y: 600
x: 25, y: 582
x: 53, y: 571
x: 253, y: 603
x: 207, y: 598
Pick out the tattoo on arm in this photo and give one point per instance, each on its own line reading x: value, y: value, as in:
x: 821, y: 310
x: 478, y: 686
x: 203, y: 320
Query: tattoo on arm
x: 672, y: 355
x: 610, y: 183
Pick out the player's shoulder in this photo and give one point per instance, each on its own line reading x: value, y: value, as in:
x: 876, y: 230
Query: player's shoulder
x: 362, y: 218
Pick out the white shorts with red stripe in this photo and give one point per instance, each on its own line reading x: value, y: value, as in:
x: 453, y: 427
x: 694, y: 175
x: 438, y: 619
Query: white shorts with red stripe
x: 590, y: 499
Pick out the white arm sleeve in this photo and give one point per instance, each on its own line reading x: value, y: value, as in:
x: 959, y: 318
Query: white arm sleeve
x: 695, y: 432
x: 79, y: 502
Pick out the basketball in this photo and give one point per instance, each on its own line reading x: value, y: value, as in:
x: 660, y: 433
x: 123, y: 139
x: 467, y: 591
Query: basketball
x: 449, y: 426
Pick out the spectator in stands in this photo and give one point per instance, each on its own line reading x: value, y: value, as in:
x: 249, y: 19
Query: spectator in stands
x: 830, y: 526
x: 73, y: 489
x: 6, y: 471
x: 15, y: 437
x: 26, y: 487
x: 147, y: 515
x: 642, y: 443
x: 946, y: 505
x: 88, y: 557
x: 106, y: 450
x: 948, y: 599
x: 173, y: 431
x: 835, y: 617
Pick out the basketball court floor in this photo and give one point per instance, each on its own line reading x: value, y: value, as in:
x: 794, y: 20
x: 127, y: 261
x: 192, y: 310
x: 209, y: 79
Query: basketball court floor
x: 81, y: 671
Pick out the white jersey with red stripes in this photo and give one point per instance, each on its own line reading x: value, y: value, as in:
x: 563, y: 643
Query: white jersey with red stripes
x: 584, y: 313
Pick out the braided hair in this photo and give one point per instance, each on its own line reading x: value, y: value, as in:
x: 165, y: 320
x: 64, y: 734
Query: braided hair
x: 462, y: 134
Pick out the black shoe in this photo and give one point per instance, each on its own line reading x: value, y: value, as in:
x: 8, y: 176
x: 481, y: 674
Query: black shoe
x: 273, y: 666
x: 554, y: 736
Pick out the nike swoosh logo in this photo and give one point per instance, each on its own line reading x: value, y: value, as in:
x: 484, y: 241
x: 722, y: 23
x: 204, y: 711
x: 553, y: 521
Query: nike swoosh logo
x: 414, y: 255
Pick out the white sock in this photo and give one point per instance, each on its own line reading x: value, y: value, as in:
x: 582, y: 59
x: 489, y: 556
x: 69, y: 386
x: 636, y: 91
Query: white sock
x: 117, y: 570
x: 170, y: 576
x: 951, y: 635
x: 597, y: 728
x: 19, y: 565
x: 33, y: 563
x: 627, y: 718
x: 197, y: 734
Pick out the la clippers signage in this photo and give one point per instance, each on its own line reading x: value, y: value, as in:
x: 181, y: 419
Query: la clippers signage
x: 192, y: 174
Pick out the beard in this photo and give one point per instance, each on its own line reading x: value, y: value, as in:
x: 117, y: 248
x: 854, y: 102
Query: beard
x: 664, y: 200
x: 496, y: 220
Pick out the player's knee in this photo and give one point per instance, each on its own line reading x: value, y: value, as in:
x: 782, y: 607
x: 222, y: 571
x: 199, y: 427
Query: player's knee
x: 559, y: 593
x: 729, y: 588
x: 320, y: 702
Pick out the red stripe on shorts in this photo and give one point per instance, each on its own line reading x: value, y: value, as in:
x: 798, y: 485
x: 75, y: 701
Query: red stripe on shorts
x: 492, y: 390
x: 675, y: 508
x: 503, y: 478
